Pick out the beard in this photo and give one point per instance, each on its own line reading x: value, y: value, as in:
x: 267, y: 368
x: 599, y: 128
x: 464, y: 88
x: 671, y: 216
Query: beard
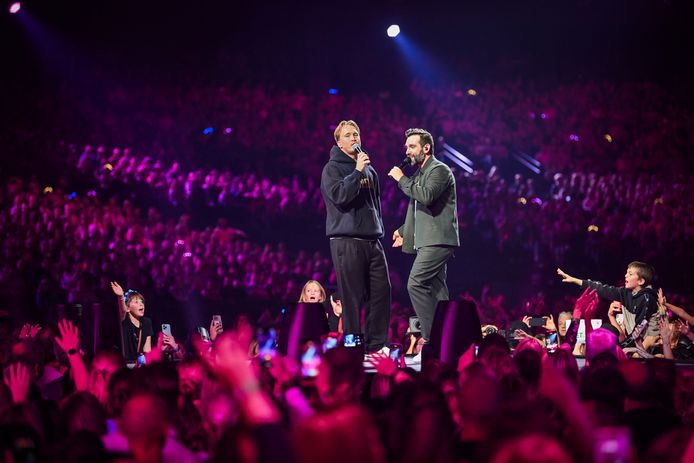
x: 419, y: 157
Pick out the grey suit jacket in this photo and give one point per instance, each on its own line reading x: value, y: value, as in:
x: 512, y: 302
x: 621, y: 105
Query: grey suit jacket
x: 432, y: 215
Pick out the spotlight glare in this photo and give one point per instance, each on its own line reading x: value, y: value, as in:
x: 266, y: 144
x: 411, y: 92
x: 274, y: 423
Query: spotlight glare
x: 393, y: 31
x: 15, y: 7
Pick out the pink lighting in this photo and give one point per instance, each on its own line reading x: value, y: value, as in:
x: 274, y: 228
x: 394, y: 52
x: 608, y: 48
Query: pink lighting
x: 15, y: 7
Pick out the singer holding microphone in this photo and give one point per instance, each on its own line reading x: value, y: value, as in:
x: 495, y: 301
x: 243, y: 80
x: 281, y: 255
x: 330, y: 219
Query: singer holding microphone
x: 431, y: 225
x: 354, y: 224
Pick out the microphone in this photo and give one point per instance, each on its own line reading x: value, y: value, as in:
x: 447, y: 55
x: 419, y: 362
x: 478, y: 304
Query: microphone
x: 357, y: 147
x: 405, y: 162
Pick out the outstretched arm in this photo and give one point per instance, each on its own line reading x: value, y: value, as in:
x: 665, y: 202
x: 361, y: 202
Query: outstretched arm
x: 69, y: 341
x: 566, y: 278
x: 118, y: 291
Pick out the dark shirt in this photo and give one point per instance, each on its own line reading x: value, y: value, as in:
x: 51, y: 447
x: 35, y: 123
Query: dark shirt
x: 134, y: 337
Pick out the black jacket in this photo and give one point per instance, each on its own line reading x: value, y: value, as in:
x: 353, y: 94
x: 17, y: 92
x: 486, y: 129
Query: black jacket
x: 352, y: 198
x: 643, y: 304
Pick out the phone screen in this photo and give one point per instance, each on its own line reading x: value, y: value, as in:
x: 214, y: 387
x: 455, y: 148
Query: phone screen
x: 330, y: 342
x: 267, y: 345
x: 395, y: 352
x: 552, y: 341
x: 204, y: 334
x: 310, y: 360
x: 351, y: 340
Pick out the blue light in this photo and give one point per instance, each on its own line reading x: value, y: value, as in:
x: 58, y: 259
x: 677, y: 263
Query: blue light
x: 208, y: 131
x: 333, y: 91
x: 393, y: 31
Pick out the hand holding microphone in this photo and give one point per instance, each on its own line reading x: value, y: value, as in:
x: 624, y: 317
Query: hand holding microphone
x: 396, y: 173
x: 362, y: 158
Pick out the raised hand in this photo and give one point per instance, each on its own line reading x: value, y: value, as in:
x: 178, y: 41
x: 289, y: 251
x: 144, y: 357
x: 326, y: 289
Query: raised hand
x: 17, y: 379
x: 615, y: 308
x: 661, y: 297
x: 337, y: 306
x: 592, y: 307
x: 169, y: 341
x: 69, y: 336
x: 29, y: 331
x: 682, y: 327
x: 284, y: 369
x: 566, y: 278
x: 665, y: 330
x: 231, y: 359
x: 215, y: 329
x: 117, y: 290
x: 589, y: 296
x: 549, y: 323
x: 383, y: 364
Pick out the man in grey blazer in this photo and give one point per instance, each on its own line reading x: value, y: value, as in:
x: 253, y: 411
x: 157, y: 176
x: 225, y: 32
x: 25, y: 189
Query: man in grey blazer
x: 431, y: 225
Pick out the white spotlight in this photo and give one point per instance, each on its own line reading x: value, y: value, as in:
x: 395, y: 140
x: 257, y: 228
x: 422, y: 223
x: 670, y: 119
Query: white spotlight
x: 15, y: 7
x: 393, y: 30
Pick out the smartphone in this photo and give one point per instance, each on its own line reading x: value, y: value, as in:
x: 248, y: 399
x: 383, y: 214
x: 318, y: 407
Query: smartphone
x: 329, y: 342
x: 310, y: 360
x: 351, y: 340
x: 204, y: 334
x: 141, y: 360
x: 267, y: 346
x: 217, y: 320
x: 552, y: 343
x: 537, y: 321
x: 612, y: 444
x: 166, y: 329
x: 395, y: 352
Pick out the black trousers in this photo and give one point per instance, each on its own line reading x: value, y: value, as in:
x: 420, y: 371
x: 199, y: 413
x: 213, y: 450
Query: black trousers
x: 427, y: 283
x: 362, y: 279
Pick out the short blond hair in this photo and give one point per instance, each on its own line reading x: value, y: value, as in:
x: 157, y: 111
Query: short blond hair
x: 339, y: 127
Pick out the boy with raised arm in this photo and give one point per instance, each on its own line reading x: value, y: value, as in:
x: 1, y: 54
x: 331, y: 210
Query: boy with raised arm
x: 638, y: 298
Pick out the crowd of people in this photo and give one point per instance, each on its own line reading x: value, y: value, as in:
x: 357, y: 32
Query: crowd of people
x: 226, y: 398
x: 79, y: 242
x: 599, y: 126
x: 599, y: 212
x: 258, y: 151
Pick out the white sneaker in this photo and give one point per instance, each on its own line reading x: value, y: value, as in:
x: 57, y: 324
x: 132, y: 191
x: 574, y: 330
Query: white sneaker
x: 417, y: 359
